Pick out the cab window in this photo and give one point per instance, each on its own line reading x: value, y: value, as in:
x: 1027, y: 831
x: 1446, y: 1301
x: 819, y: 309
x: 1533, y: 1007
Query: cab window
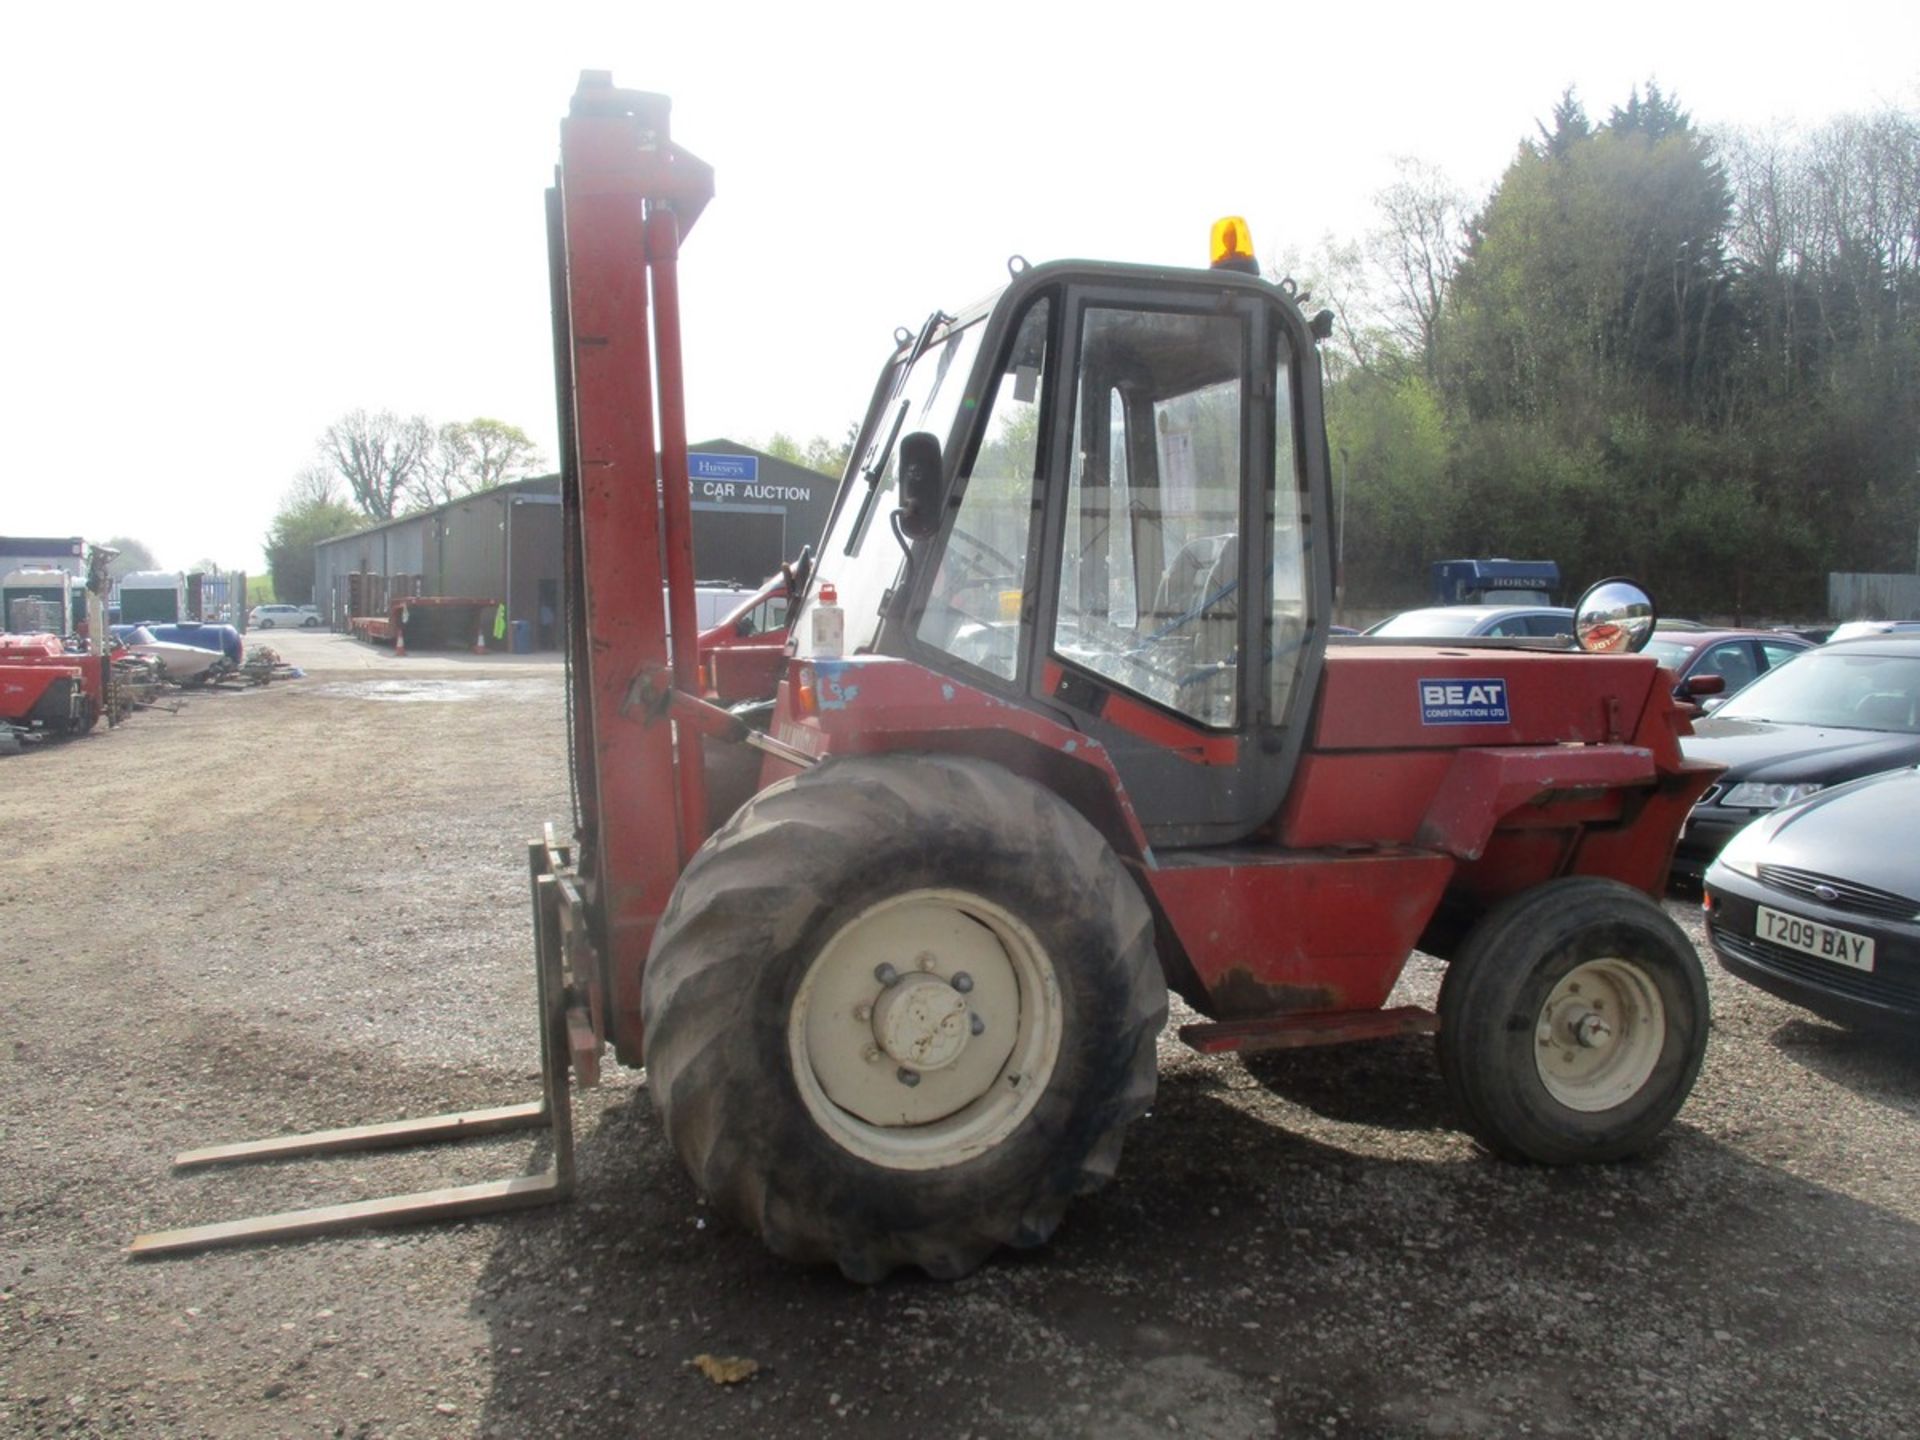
x: 1150, y: 571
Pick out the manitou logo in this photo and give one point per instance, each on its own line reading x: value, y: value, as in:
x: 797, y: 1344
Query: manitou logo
x: 1463, y: 702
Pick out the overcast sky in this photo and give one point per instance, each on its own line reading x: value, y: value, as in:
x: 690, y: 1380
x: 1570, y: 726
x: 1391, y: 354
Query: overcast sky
x: 225, y: 227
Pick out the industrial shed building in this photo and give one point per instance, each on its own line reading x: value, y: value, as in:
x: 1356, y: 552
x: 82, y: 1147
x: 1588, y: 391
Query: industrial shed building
x: 750, y: 512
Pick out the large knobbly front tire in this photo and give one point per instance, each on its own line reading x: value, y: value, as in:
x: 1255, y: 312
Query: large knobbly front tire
x: 1573, y: 1022
x: 900, y: 1011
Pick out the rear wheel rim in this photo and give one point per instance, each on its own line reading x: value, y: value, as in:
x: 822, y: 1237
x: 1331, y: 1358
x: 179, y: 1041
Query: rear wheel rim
x: 1600, y: 1035
x: 926, y: 1029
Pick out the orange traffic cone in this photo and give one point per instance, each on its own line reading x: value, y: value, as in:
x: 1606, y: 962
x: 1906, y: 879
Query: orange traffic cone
x: 400, y: 633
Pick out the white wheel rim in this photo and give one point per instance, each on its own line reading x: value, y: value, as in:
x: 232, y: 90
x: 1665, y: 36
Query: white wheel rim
x: 1600, y: 1035
x: 925, y: 1030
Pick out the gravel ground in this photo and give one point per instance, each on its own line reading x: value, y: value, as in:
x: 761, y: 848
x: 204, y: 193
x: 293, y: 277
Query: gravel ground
x: 305, y: 906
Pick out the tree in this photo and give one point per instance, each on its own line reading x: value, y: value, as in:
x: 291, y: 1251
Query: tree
x: 1595, y: 278
x: 470, y: 455
x: 379, y: 457
x: 1335, y: 274
x: 819, y: 453
x: 317, y: 484
x: 1390, y: 445
x: 1656, y: 117
x: 134, y: 555
x: 1824, y: 393
x: 1570, y: 125
x: 1418, y: 249
x: 303, y: 522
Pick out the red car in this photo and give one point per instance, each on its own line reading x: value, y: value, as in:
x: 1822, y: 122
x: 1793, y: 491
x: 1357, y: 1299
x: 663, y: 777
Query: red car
x: 1735, y: 656
x: 740, y: 657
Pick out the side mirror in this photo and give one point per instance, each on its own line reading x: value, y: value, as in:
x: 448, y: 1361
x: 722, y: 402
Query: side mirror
x: 1614, y: 617
x: 919, y: 485
x: 1694, y: 686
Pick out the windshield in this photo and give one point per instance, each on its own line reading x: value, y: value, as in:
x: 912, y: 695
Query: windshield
x: 1823, y: 687
x: 860, y: 556
x: 1427, y: 622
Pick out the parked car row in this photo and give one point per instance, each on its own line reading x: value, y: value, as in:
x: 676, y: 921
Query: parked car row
x: 1806, y: 844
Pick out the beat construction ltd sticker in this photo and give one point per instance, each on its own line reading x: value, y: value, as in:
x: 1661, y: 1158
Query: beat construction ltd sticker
x: 1463, y: 702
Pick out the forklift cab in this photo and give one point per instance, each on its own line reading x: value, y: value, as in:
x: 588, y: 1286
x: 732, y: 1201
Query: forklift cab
x: 1111, y: 518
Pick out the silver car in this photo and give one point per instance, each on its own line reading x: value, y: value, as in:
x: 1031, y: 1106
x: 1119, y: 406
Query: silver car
x: 1511, y: 622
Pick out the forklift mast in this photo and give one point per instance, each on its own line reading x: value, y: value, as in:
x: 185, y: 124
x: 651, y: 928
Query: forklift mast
x: 624, y: 197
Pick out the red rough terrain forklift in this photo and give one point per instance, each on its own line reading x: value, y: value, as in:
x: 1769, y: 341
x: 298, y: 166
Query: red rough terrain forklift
x: 1058, y: 731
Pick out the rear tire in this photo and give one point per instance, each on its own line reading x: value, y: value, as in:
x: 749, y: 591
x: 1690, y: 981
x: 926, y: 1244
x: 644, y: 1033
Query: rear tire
x: 1024, y: 1000
x: 1572, y: 1023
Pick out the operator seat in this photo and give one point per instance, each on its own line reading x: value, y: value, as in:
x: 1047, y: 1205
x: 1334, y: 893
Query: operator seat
x: 1182, y: 586
x: 1197, y: 610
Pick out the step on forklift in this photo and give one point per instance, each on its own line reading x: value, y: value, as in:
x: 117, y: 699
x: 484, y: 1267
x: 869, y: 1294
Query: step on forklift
x: 1059, y: 731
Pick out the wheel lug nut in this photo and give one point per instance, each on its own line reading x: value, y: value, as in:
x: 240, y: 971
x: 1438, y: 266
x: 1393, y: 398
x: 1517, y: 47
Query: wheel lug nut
x: 962, y: 982
x: 906, y: 1077
x: 886, y: 974
x: 978, y: 1026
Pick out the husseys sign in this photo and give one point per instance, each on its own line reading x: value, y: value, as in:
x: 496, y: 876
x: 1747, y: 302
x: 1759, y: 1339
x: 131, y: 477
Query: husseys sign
x: 723, y: 478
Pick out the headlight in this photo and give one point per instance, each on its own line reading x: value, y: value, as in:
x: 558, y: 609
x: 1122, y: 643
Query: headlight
x: 1741, y: 854
x: 1751, y: 795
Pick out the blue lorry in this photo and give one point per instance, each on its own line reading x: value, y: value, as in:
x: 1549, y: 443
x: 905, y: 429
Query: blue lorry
x: 1495, y: 582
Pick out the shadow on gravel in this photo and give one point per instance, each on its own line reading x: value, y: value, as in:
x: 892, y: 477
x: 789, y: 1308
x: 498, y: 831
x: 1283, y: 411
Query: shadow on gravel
x: 1876, y: 1064
x: 1394, y: 1084
x: 1239, y: 1278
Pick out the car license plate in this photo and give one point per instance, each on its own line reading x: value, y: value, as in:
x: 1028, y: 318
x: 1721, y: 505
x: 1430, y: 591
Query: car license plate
x: 1812, y: 938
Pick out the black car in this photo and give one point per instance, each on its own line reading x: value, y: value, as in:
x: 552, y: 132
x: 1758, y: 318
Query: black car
x: 1820, y: 903
x: 1835, y: 713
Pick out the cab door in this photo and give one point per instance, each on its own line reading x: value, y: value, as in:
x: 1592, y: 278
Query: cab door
x: 1178, y: 604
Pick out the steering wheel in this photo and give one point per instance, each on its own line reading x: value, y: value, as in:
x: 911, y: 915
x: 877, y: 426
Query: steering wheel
x: 1007, y: 566
x: 983, y: 569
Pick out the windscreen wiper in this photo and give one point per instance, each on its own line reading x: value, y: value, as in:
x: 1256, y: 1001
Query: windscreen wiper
x: 877, y: 466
